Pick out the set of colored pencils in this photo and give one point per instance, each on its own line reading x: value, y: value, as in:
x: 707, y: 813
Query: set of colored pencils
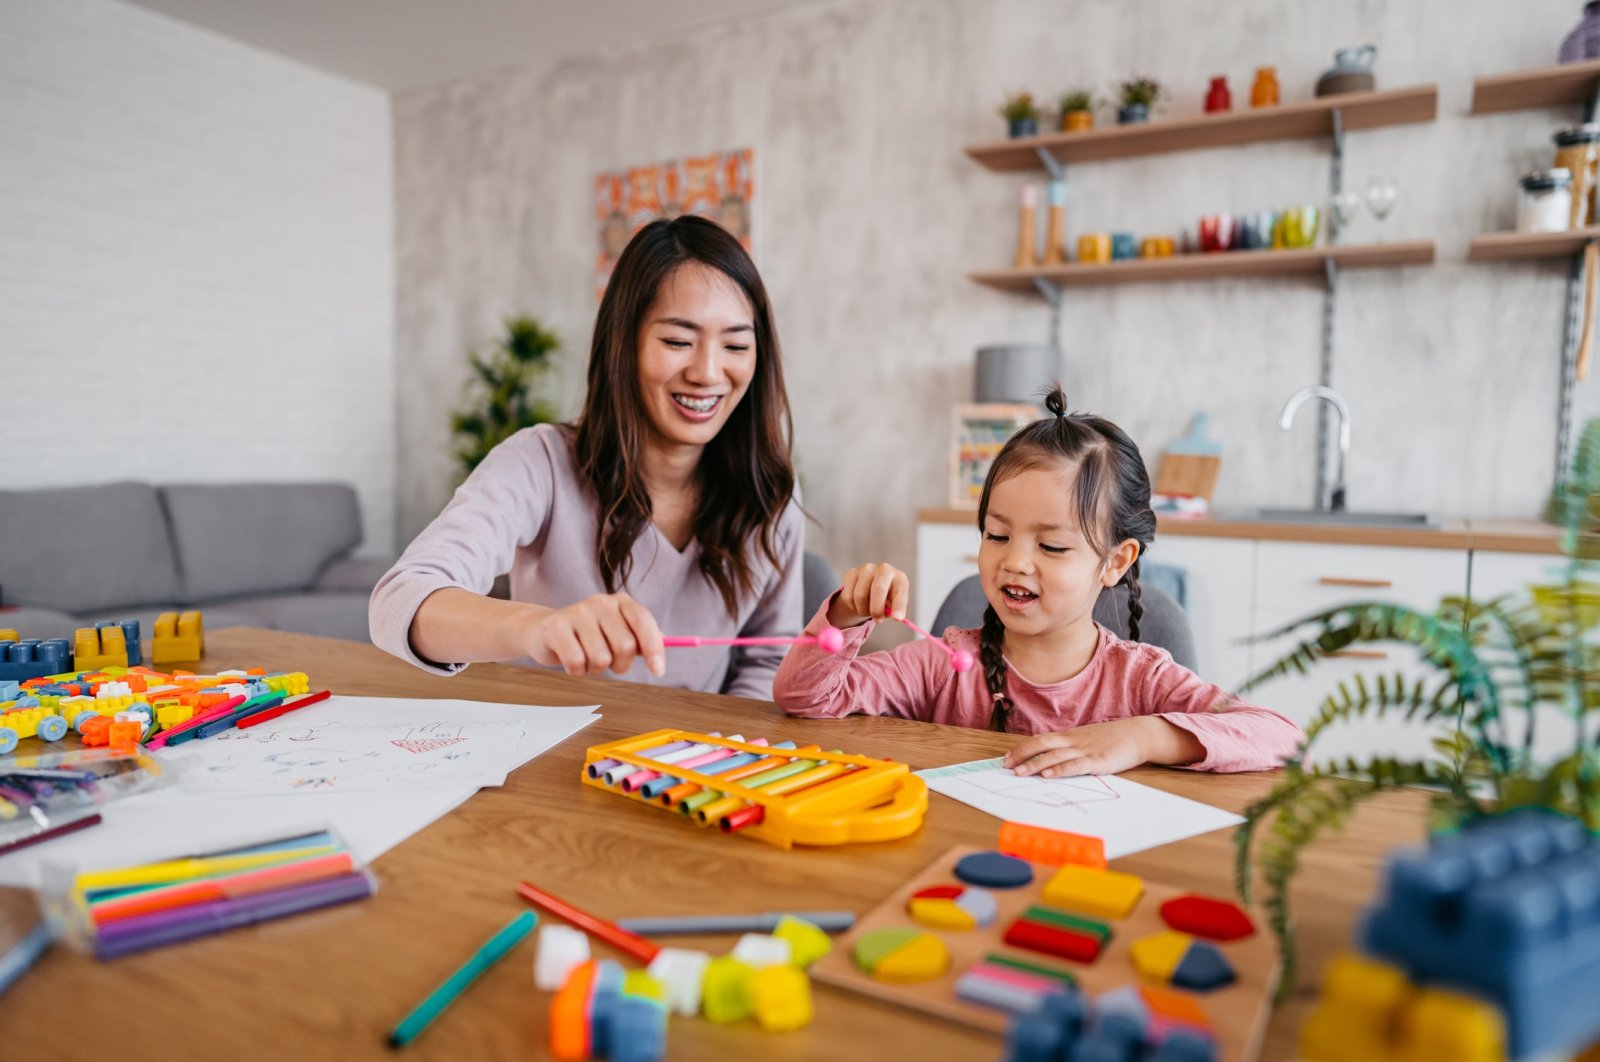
x: 127, y: 909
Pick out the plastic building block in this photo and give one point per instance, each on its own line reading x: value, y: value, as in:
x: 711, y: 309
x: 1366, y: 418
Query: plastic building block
x: 956, y: 907
x: 1185, y: 1047
x: 1179, y: 959
x: 682, y: 970
x: 1508, y: 911
x: 807, y: 943
x: 1444, y: 1026
x: 126, y: 730
x: 760, y: 950
x: 8, y: 690
x: 1103, y: 893
x: 637, y: 1031
x: 781, y: 998
x: 99, y: 647
x: 1206, y: 916
x: 725, y: 993
x: 994, y: 871
x: 569, y: 1014
x: 561, y: 949
x: 1053, y: 848
x: 642, y: 985
x: 902, y: 955
x: 177, y: 638
x: 28, y: 722
x: 1369, y: 1011
x: 30, y: 658
x: 1046, y: 1034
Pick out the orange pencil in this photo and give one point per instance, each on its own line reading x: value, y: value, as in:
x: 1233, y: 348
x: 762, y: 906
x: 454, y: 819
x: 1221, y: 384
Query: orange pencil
x: 614, y: 935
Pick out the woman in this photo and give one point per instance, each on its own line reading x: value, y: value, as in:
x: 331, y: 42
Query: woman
x: 669, y: 504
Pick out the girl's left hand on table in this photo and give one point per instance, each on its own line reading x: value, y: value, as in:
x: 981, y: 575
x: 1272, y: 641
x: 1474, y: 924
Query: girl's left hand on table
x: 1094, y: 748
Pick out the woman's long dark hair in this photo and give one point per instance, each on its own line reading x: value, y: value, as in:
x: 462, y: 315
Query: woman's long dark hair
x: 1112, y: 496
x: 745, y: 478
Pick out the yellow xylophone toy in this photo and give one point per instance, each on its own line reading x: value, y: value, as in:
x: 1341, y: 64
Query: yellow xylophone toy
x: 777, y: 793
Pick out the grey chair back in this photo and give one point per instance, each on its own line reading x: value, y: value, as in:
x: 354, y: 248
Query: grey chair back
x: 1163, y: 623
x: 817, y: 581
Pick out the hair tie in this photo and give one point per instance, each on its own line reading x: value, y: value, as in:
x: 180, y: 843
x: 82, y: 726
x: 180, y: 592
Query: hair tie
x: 997, y: 697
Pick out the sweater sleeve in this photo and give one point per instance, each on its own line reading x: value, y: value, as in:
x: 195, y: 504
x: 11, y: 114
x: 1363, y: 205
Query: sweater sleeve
x: 899, y: 682
x: 1237, y: 735
x: 502, y: 506
x: 777, y: 614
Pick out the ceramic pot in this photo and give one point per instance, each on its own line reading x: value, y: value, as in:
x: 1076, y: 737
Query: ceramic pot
x: 1352, y: 72
x: 1021, y: 127
x: 1264, y: 93
x: 1583, y: 43
x: 1219, y: 98
x: 1133, y: 114
x: 1077, y: 121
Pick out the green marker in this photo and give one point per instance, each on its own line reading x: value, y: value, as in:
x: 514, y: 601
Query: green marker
x: 492, y: 952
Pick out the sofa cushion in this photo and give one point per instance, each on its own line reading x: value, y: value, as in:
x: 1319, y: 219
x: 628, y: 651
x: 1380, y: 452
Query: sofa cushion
x: 260, y: 538
x: 81, y: 548
x: 330, y: 615
x: 41, y: 623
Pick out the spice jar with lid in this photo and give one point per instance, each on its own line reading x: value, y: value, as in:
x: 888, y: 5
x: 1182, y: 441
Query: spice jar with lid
x: 1578, y: 151
x: 1545, y: 204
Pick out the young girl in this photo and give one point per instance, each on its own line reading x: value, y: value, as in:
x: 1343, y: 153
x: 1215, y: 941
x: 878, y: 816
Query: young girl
x: 669, y: 504
x: 1065, y: 513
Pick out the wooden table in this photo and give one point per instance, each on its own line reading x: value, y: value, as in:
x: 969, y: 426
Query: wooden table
x: 331, y: 984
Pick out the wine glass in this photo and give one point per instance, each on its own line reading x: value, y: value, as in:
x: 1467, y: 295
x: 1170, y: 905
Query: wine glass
x: 1345, y: 207
x: 1381, y: 195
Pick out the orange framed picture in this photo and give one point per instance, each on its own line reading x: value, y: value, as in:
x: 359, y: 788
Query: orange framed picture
x: 978, y: 431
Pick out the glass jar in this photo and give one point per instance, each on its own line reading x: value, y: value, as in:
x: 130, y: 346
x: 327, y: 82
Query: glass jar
x: 1578, y: 151
x: 1545, y: 204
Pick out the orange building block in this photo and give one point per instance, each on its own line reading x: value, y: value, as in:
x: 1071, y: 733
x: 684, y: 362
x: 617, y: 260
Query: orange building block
x: 1053, y: 848
x: 569, y: 1014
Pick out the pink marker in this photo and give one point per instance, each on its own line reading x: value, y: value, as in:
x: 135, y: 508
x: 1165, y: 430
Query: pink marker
x: 960, y: 659
x: 829, y: 640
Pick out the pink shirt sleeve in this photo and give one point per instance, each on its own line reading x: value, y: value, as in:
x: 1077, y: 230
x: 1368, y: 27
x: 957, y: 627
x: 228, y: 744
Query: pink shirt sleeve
x: 1238, y: 737
x: 903, y: 682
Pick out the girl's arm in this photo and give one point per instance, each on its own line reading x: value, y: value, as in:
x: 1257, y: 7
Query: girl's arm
x: 905, y: 681
x: 1234, y: 735
x: 777, y: 615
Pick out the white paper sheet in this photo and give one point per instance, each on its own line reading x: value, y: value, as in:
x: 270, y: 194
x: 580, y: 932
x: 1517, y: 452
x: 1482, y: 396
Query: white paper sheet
x: 360, y: 744
x: 174, y: 822
x: 1128, y: 816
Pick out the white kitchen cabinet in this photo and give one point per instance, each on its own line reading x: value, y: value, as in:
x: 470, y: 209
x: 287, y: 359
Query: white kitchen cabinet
x: 1498, y: 574
x: 946, y: 554
x: 1297, y: 579
x: 1219, y: 574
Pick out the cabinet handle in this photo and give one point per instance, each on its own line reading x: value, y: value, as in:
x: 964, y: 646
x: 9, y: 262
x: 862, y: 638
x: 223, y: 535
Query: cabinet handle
x: 970, y: 558
x: 1370, y: 584
x: 1359, y: 654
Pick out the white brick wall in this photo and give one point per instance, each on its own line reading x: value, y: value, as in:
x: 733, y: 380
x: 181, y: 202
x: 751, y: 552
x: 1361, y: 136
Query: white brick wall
x: 196, y: 260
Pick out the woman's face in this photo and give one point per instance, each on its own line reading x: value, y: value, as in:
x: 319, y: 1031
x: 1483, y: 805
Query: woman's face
x: 697, y: 355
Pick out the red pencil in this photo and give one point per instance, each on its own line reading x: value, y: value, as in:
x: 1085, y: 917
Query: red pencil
x: 614, y: 935
x: 288, y: 706
x: 52, y: 831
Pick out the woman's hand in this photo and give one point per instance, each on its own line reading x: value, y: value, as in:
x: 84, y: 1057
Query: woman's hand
x: 1105, y: 748
x: 872, y: 591
x: 600, y: 632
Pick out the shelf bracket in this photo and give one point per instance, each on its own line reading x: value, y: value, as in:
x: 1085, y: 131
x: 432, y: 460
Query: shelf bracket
x: 1570, y: 343
x: 1051, y: 164
x: 1330, y: 308
x: 1335, y: 174
x: 1052, y: 294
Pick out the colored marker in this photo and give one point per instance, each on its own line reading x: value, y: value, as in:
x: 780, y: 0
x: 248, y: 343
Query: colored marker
x: 256, y: 718
x: 687, y: 925
x: 53, y: 831
x: 183, y: 869
x: 492, y: 952
x: 166, y: 736
x: 184, y: 894
x: 231, y: 720
x: 617, y: 937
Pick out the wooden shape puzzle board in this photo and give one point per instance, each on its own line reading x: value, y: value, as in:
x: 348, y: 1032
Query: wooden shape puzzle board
x: 1238, y: 1013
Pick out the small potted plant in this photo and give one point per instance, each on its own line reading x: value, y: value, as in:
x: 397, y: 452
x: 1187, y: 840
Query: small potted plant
x: 1077, y: 110
x: 1022, y: 113
x: 1139, y: 94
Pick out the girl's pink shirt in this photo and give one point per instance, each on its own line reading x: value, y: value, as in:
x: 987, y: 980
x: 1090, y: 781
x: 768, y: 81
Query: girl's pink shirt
x: 1123, y: 679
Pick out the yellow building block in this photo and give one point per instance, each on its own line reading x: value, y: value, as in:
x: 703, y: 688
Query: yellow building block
x: 781, y: 998
x: 98, y: 648
x: 1443, y: 1026
x: 725, y: 992
x: 177, y: 638
x: 1102, y: 893
x: 9, y: 634
x: 807, y: 943
x: 1361, y: 1001
x: 641, y: 984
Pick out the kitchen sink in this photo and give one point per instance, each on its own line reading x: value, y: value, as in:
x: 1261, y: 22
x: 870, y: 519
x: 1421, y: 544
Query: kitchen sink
x: 1323, y: 516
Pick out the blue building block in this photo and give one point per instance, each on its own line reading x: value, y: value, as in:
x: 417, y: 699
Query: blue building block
x: 9, y: 688
x: 32, y: 658
x: 1184, y: 1047
x: 1507, y: 910
x: 638, y: 1031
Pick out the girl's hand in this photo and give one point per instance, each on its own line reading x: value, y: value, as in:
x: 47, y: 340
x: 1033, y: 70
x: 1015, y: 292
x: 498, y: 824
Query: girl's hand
x: 600, y: 632
x: 872, y: 591
x: 1094, y: 748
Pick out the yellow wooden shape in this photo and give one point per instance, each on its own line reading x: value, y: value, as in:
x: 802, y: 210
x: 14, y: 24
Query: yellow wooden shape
x: 1444, y: 1026
x: 922, y: 958
x: 1361, y: 998
x: 1104, y: 893
x: 941, y: 914
x: 1157, y: 955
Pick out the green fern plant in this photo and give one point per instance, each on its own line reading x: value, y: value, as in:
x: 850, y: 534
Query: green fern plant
x: 1495, y: 666
x: 502, y: 392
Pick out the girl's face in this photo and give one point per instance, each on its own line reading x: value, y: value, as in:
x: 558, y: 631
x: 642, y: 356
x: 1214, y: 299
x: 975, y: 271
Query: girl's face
x: 1038, y: 570
x: 697, y: 355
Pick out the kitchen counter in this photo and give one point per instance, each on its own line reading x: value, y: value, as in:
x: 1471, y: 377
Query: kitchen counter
x: 1503, y: 536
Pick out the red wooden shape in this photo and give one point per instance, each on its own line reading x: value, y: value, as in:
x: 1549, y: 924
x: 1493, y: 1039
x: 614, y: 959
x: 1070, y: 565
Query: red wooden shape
x: 1207, y: 917
x: 1052, y: 940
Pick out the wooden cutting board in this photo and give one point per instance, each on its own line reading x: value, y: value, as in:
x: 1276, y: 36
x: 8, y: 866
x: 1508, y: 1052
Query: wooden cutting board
x: 1190, y: 465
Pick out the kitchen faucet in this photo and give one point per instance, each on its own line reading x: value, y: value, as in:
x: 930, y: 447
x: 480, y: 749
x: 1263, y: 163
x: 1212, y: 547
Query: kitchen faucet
x: 1330, y: 396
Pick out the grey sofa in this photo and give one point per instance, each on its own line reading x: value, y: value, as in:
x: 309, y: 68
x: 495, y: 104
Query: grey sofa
x: 258, y: 554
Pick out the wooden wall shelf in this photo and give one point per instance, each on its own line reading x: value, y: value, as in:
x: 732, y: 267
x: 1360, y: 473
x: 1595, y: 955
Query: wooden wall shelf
x: 1289, y: 121
x: 1522, y: 246
x: 1308, y: 261
x: 1548, y: 86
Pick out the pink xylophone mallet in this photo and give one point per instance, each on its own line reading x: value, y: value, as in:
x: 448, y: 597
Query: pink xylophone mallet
x: 829, y: 640
x: 960, y: 659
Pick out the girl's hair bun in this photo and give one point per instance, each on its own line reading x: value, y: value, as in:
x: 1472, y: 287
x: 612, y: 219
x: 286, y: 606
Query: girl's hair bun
x: 1056, y: 401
